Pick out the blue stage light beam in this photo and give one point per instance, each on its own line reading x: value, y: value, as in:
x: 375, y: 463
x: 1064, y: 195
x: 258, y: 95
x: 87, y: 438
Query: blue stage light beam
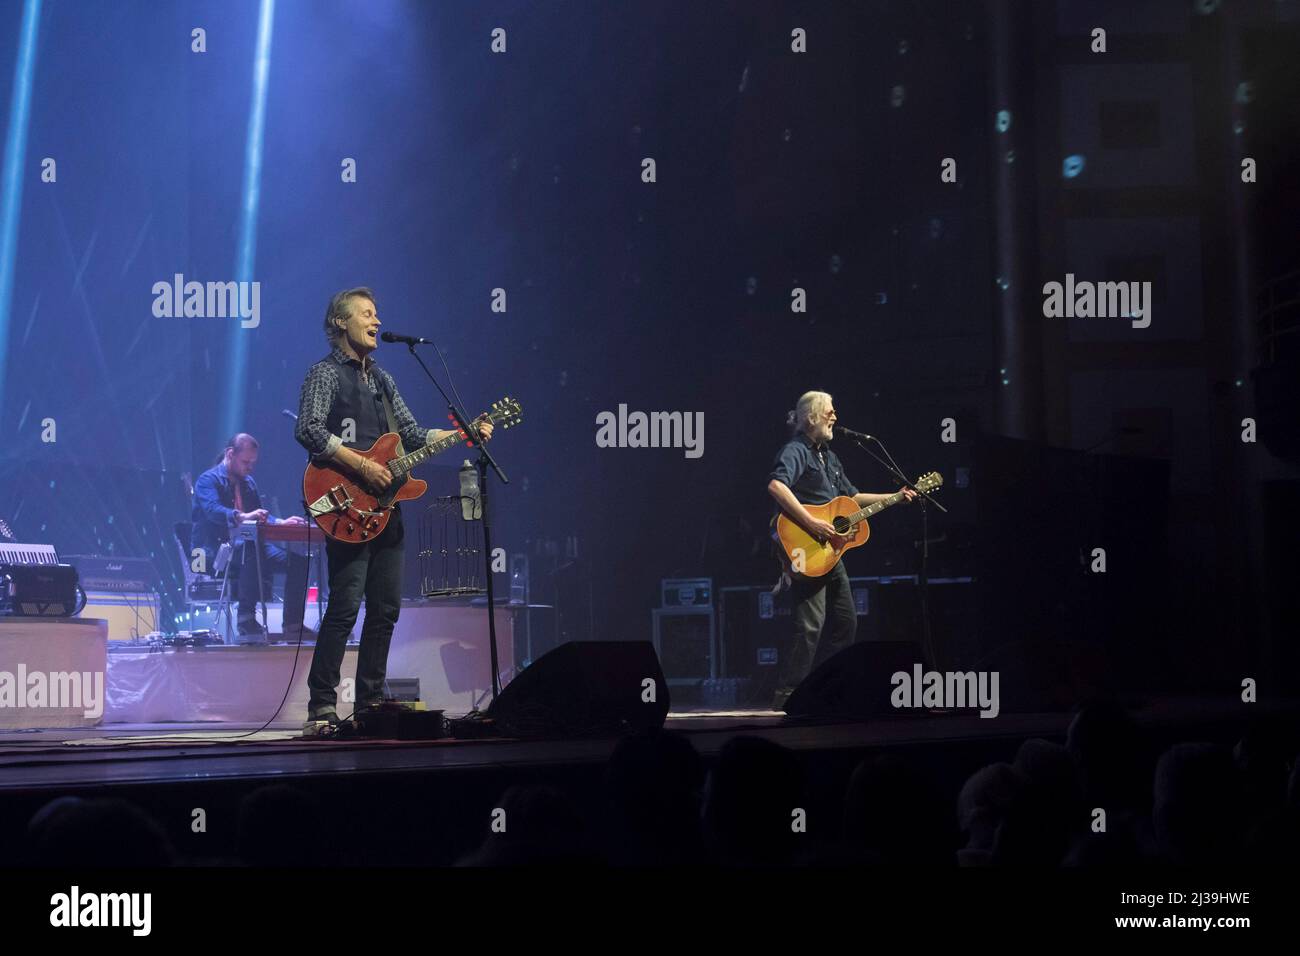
x: 246, y: 255
x: 12, y: 174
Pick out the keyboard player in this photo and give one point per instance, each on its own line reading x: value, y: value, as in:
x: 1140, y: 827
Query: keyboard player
x: 225, y: 497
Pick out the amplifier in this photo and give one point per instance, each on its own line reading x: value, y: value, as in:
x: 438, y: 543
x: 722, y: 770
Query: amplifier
x: 684, y: 641
x: 206, y: 590
x: 406, y: 689
x: 38, y: 590
x: 755, y: 628
x: 687, y: 592
x: 100, y: 573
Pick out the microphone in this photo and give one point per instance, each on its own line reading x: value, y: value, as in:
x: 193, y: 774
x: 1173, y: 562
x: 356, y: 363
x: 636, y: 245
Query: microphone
x: 288, y: 414
x: 852, y: 434
x: 404, y: 339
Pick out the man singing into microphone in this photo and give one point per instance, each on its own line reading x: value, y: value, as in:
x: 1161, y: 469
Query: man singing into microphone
x: 806, y: 472
x: 347, y: 403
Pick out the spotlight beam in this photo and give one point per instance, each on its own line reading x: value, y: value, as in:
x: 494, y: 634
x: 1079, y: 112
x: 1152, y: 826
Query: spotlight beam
x: 12, y: 173
x: 246, y: 254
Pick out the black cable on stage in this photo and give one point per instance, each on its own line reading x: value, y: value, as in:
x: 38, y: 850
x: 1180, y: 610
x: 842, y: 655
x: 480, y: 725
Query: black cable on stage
x: 306, y: 586
x: 298, y: 650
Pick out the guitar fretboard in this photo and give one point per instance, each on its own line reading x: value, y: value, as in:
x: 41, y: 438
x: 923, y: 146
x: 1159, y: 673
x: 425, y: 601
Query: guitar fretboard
x: 505, y: 413
x: 874, y: 508
x: 400, y: 466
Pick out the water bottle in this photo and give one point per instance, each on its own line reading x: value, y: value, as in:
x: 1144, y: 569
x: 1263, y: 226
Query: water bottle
x: 519, y: 579
x: 471, y: 509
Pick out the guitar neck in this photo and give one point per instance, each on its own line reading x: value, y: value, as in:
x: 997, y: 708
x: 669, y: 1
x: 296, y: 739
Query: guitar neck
x: 400, y: 466
x: 875, y: 507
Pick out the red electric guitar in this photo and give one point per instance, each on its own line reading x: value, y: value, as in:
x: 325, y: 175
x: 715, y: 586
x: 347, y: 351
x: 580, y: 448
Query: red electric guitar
x: 347, y: 509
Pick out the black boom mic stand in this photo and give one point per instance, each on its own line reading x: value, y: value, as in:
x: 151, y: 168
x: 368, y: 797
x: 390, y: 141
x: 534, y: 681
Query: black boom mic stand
x: 484, y: 460
x: 923, y: 579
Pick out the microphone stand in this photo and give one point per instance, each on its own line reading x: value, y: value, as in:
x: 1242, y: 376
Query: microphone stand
x: 923, y: 579
x: 484, y: 459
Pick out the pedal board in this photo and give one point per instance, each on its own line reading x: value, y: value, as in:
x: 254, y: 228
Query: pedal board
x: 399, y: 720
x: 473, y: 728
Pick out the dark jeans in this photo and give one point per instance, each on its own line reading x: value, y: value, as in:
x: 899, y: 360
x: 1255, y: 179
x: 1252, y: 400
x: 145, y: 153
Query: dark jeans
x: 374, y: 571
x: 825, y: 600
x: 275, y: 560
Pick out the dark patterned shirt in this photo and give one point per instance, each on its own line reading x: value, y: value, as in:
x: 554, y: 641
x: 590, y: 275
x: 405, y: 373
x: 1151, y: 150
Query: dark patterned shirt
x: 321, y: 388
x: 812, y: 472
x: 213, y: 514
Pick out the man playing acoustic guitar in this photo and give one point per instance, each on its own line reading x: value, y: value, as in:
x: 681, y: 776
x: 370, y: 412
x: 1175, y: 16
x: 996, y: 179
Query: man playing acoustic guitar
x: 347, y: 403
x: 806, y: 472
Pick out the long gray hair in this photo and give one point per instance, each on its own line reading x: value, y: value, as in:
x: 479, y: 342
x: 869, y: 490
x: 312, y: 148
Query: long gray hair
x: 810, y: 407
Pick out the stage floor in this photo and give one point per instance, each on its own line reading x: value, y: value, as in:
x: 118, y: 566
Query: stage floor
x: 141, y: 753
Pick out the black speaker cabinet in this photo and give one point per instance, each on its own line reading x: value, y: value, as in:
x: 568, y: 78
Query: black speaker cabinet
x: 855, y: 683
x: 582, y: 689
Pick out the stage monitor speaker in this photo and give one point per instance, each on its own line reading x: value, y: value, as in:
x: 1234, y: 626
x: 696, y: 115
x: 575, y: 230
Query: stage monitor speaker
x: 584, y: 688
x: 855, y: 683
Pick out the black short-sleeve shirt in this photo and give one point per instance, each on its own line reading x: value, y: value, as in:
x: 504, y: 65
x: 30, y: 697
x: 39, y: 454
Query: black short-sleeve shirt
x: 814, y: 474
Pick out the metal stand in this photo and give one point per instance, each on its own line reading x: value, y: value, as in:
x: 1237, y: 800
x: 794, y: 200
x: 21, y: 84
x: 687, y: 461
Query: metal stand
x: 261, y: 587
x: 223, y: 602
x: 923, y: 578
x: 484, y: 460
x: 255, y: 539
x: 487, y: 551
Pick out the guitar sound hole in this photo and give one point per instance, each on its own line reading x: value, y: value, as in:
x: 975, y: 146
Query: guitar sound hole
x: 841, y: 525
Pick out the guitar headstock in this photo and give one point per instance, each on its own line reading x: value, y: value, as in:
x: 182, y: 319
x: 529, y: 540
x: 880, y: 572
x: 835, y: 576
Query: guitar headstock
x: 506, y: 413
x: 929, y: 481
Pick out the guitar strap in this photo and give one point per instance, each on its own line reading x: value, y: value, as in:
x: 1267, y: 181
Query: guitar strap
x: 392, y: 423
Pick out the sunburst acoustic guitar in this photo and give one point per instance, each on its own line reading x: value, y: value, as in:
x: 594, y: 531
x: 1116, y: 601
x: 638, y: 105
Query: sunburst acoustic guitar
x: 808, y: 557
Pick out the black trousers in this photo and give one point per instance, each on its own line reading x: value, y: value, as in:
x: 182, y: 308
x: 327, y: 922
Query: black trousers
x: 372, y: 571
x: 275, y: 560
x: 828, y: 601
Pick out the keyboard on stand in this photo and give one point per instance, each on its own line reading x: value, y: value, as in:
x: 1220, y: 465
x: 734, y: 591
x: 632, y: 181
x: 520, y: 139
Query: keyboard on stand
x: 16, y: 552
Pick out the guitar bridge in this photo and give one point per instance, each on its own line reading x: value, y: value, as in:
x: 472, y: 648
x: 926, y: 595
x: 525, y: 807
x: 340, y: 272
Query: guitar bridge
x: 336, y: 500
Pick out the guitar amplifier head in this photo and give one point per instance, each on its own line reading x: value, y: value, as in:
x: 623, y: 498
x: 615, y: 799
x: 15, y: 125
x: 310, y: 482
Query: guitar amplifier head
x: 105, y: 573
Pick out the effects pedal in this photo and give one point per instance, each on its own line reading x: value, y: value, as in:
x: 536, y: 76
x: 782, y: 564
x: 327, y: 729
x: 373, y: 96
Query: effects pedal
x: 473, y: 727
